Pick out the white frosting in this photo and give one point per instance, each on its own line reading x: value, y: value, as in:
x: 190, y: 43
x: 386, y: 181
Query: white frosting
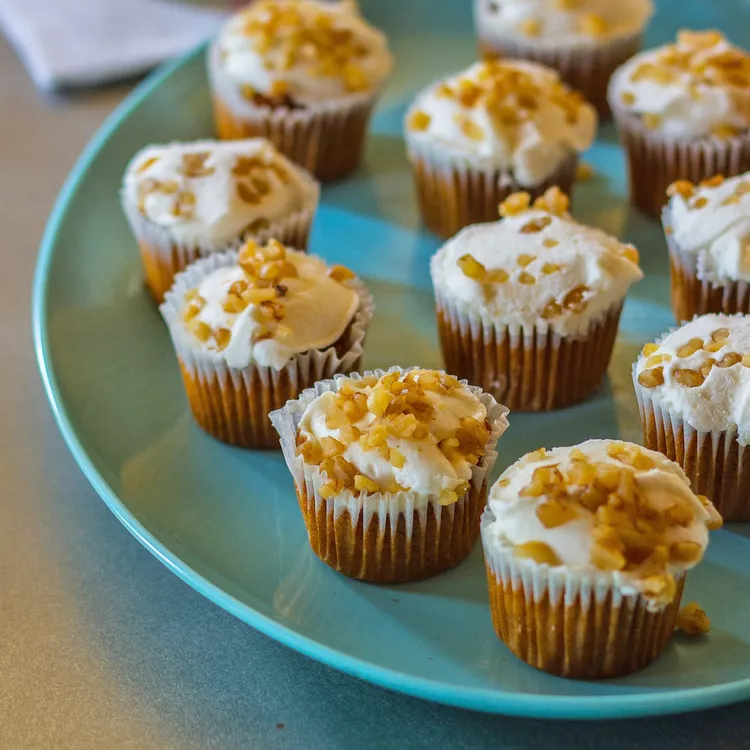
x: 155, y: 182
x: 426, y: 470
x: 585, y: 256
x: 722, y: 401
x: 686, y: 100
x: 302, y: 80
x: 516, y: 521
x: 717, y: 232
x: 317, y: 312
x: 556, y: 23
x: 529, y: 149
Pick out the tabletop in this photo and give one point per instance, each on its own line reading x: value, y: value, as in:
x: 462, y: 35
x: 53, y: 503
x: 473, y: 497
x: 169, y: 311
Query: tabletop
x: 100, y: 646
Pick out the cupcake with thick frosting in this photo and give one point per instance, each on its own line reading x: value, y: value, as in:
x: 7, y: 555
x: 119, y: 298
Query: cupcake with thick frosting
x: 391, y: 469
x: 708, y: 236
x: 187, y: 200
x: 303, y: 73
x: 693, y: 389
x: 494, y: 128
x: 585, y: 40
x: 683, y: 112
x: 528, y: 306
x: 580, y: 543
x: 253, y: 328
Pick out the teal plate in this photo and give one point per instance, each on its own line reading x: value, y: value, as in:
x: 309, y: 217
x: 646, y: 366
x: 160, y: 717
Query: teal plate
x: 226, y: 520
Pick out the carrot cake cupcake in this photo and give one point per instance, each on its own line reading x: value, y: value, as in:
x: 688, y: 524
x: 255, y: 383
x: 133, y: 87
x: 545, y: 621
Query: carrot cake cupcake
x: 587, y: 549
x: 303, y: 73
x: 391, y: 469
x: 692, y: 387
x: 497, y: 127
x: 682, y: 112
x: 186, y: 200
x: 253, y: 328
x: 528, y: 306
x: 708, y: 236
x: 585, y: 40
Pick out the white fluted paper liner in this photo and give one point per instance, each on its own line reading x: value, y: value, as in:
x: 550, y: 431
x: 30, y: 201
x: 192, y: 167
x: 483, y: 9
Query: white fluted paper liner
x: 455, y: 191
x: 387, y: 505
x: 655, y: 161
x: 266, y: 387
x: 714, y: 461
x: 316, y: 136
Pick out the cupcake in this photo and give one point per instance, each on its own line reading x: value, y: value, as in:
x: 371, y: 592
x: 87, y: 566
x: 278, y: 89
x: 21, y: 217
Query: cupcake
x: 585, y: 40
x: 587, y: 549
x: 498, y: 127
x: 692, y: 387
x: 391, y: 470
x: 255, y: 327
x: 682, y: 112
x: 303, y: 73
x: 187, y: 200
x: 708, y: 235
x: 528, y: 306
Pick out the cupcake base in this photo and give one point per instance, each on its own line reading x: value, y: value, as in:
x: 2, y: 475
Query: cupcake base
x: 537, y: 371
x: 412, y: 546
x: 453, y: 196
x: 586, y: 69
x: 716, y: 464
x: 655, y: 162
x: 575, y: 633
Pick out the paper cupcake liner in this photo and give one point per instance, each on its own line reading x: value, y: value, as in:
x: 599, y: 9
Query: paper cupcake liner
x: 527, y: 370
x: 163, y: 257
x: 233, y: 404
x: 452, y: 194
x: 327, y: 139
x: 586, y: 69
x: 386, y: 537
x: 714, y: 462
x: 692, y: 296
x: 572, y: 624
x: 654, y: 162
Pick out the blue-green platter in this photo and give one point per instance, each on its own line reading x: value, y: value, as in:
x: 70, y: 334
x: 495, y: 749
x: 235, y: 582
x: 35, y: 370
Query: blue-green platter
x: 226, y: 520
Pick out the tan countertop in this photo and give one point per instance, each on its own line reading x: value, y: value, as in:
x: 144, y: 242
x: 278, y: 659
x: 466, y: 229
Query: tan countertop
x: 102, y: 647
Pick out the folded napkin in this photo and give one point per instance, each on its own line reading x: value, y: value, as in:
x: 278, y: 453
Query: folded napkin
x: 84, y: 42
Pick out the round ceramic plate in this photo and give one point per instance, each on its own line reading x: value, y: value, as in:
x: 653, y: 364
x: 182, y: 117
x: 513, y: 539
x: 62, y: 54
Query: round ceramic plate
x: 226, y: 520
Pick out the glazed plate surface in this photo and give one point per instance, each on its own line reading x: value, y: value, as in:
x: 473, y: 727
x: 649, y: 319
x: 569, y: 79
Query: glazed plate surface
x: 226, y: 521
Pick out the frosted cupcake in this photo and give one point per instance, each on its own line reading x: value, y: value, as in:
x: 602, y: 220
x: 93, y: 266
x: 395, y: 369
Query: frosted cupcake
x: 528, y: 306
x: 303, y: 73
x: 585, y: 40
x: 253, y: 328
x: 708, y: 236
x: 391, y: 470
x: 682, y: 112
x: 187, y: 200
x: 587, y: 549
x: 493, y: 129
x: 692, y: 388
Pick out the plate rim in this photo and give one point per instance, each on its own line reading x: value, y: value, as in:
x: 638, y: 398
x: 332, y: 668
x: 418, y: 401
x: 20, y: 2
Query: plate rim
x: 545, y: 706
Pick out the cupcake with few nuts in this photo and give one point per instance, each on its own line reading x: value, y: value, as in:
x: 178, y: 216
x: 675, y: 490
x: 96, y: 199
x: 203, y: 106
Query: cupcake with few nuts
x: 585, y: 40
x: 187, y: 200
x: 528, y: 306
x: 587, y: 549
x: 693, y: 390
x: 391, y: 470
x: 303, y: 73
x: 682, y: 112
x: 253, y: 328
x: 495, y: 128
x: 708, y: 236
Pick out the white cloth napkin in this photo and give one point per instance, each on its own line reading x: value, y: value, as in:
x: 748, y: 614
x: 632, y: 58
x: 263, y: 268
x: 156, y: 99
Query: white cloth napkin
x: 84, y: 42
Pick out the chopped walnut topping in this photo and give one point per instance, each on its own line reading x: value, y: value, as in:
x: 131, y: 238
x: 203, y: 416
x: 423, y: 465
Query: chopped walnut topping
x: 419, y: 120
x: 539, y: 552
x: 554, y: 201
x: 714, y: 181
x: 548, y: 268
x: 691, y: 619
x: 530, y: 27
x: 627, y: 98
x: 516, y: 203
x: 688, y: 378
x: 535, y: 225
x: 699, y: 202
x: 526, y: 278
x: 683, y: 188
x: 651, y: 378
x: 472, y: 268
x: 524, y: 259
